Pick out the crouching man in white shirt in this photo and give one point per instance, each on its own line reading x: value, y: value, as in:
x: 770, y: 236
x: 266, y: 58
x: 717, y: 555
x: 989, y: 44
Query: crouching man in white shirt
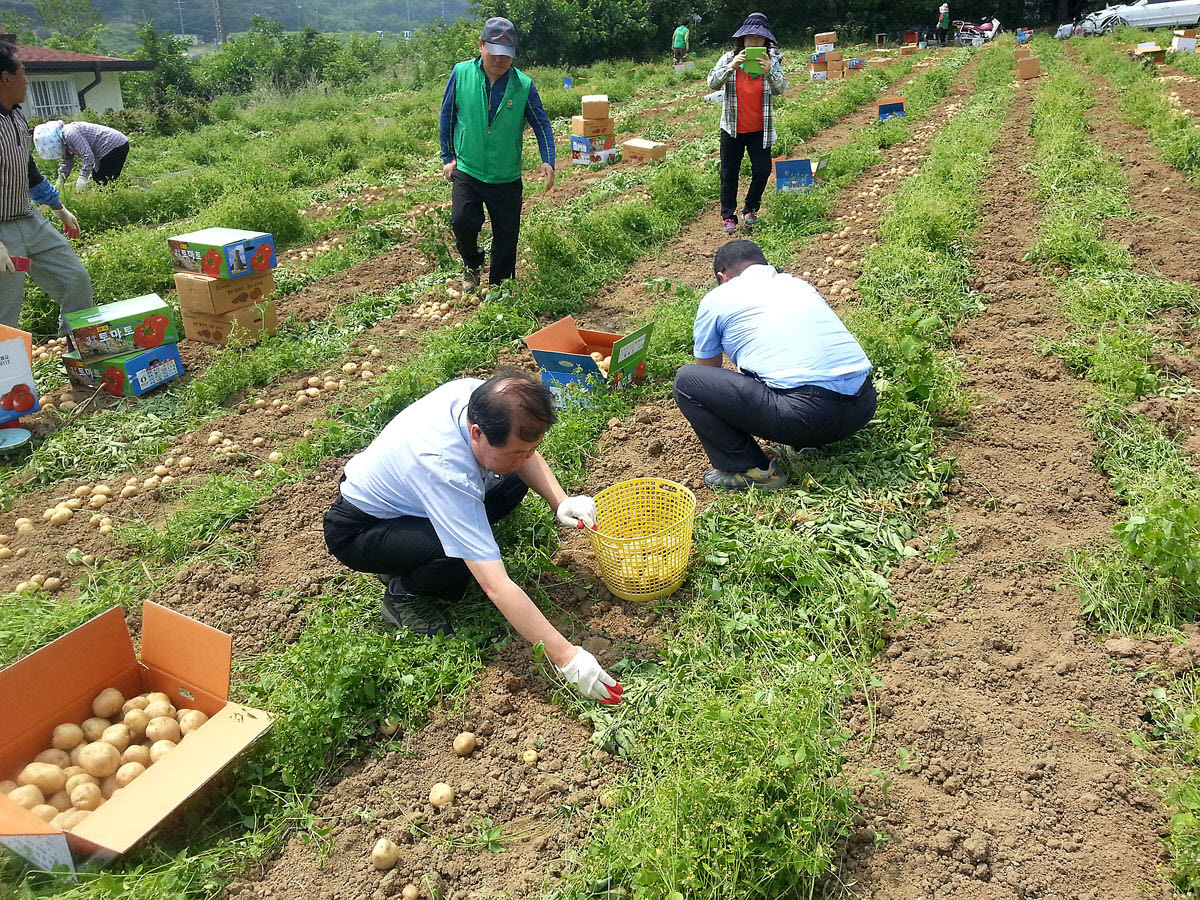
x: 417, y: 507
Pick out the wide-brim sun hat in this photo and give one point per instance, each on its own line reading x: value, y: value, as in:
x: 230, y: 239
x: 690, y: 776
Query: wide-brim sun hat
x: 48, y: 139
x: 756, y: 23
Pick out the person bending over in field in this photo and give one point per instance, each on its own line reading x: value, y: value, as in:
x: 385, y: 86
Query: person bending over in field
x: 487, y: 103
x: 24, y: 232
x: 417, y: 508
x: 802, y: 379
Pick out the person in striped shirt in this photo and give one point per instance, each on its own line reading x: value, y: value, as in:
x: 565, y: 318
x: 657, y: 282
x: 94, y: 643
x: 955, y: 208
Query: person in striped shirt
x: 25, y: 233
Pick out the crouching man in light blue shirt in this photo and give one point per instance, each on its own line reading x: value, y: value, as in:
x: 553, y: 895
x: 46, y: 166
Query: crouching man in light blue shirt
x: 801, y: 379
x: 417, y: 507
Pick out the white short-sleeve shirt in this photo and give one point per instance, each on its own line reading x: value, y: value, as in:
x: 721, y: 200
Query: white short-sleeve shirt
x: 422, y: 465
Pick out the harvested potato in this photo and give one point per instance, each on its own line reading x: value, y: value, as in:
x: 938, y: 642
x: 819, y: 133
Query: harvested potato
x: 73, y: 770
x: 120, y: 736
x: 27, y: 796
x: 136, y: 721
x: 67, y: 736
x: 47, y: 777
x: 190, y: 720
x: 163, y: 728
x: 157, y: 697
x: 159, y: 749
x: 109, y: 786
x: 60, y: 800
x: 441, y: 794
x: 138, y: 702
x: 128, y: 772
x: 76, y: 780
x: 410, y: 892
x: 87, y: 796
x: 68, y: 820
x: 108, y: 702
x: 158, y: 708
x: 136, y: 753
x: 384, y: 854
x: 94, y: 727
x: 529, y: 756
x: 75, y: 751
x: 45, y: 812
x: 464, y: 744
x: 100, y: 759
x: 7, y: 786
x: 54, y: 757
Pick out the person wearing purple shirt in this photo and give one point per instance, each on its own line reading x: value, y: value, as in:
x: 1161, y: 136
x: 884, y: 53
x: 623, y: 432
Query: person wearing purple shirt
x: 101, y: 150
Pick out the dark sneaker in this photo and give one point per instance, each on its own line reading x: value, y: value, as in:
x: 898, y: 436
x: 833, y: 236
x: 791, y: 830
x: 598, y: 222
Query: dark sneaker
x: 768, y: 479
x: 470, y: 279
x: 408, y: 612
x: 729, y: 226
x: 750, y: 219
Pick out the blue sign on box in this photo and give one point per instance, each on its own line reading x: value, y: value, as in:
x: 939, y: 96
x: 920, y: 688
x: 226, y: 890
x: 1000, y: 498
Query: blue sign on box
x: 799, y: 174
x: 891, y: 106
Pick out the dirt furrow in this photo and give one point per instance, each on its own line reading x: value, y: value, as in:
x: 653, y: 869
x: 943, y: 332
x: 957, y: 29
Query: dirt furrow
x: 1000, y: 724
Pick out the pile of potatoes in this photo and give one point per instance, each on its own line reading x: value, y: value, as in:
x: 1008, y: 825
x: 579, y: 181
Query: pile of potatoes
x: 87, y: 764
x: 602, y: 361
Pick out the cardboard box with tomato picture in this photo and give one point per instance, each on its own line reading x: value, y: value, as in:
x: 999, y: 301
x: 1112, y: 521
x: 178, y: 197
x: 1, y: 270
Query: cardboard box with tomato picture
x: 563, y: 352
x: 217, y: 296
x: 242, y: 326
x: 18, y: 393
x: 188, y: 661
x: 130, y: 375
x: 126, y: 326
x: 223, y: 252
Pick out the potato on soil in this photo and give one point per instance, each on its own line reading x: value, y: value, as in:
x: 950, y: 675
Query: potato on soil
x: 55, y: 757
x: 136, y: 753
x: 76, y: 780
x: 94, y: 727
x: 108, y: 703
x: 100, y: 759
x: 159, y: 749
x: 120, y: 736
x: 87, y: 796
x: 384, y: 854
x: 46, y: 777
x: 464, y: 744
x: 28, y: 796
x: 45, y: 812
x: 163, y: 728
x: 410, y: 892
x: 441, y: 794
x: 190, y: 720
x: 529, y: 756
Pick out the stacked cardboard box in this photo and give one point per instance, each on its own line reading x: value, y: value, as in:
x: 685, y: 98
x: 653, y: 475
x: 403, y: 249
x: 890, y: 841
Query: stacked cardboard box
x: 827, y: 62
x: 1184, y: 41
x: 127, y: 348
x: 227, y: 301
x: 1150, y: 52
x: 593, y: 134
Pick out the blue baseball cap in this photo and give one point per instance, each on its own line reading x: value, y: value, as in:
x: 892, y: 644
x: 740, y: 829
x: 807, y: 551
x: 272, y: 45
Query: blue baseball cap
x: 500, y: 37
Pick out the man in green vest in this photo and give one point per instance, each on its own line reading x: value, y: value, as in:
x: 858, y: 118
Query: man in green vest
x: 487, y: 103
x: 681, y: 44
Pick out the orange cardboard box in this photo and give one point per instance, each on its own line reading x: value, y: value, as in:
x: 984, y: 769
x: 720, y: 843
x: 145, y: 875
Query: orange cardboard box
x: 186, y: 660
x: 1029, y: 68
x: 595, y: 106
x: 240, y: 326
x: 1022, y: 53
x: 825, y: 37
x: 216, y: 296
x: 581, y: 127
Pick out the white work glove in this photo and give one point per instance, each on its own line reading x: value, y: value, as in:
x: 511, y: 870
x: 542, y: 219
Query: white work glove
x: 58, y: 183
x: 7, y: 266
x: 584, y: 671
x: 69, y: 222
x: 81, y: 184
x: 577, y: 512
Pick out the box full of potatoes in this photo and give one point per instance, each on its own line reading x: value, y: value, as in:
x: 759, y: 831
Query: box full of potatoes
x: 99, y: 746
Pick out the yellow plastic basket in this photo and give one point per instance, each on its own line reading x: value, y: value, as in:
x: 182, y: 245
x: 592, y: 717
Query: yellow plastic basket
x: 643, y: 537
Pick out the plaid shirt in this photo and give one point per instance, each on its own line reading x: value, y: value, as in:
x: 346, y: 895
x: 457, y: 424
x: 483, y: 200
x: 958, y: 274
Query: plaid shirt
x: 723, y: 74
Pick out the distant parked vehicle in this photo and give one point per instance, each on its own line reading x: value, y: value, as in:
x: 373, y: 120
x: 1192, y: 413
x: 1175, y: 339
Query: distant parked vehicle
x: 1141, y: 14
x: 968, y: 33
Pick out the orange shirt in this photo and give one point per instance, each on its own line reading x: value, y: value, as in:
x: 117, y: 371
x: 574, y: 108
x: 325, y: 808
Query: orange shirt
x: 749, y: 102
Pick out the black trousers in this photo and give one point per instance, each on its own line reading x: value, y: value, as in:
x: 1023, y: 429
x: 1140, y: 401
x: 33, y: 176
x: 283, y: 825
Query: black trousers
x: 732, y: 151
x: 942, y: 35
x: 729, y: 409
x: 408, y: 546
x: 109, y: 166
x: 468, y: 199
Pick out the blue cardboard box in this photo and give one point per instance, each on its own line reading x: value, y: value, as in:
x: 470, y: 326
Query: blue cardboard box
x: 799, y: 174
x: 891, y: 106
x: 223, y: 252
x: 563, y: 353
x: 130, y: 375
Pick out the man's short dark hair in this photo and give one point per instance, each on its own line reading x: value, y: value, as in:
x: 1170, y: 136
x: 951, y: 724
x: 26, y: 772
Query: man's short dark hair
x: 8, y: 57
x: 511, y: 402
x: 737, y: 255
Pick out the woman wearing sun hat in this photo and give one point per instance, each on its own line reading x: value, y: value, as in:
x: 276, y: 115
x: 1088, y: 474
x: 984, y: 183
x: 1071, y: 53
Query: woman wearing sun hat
x: 746, y: 122
x: 101, y: 150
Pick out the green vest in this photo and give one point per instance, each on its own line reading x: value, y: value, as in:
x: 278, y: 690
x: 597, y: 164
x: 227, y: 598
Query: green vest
x: 681, y: 36
x: 491, y: 151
